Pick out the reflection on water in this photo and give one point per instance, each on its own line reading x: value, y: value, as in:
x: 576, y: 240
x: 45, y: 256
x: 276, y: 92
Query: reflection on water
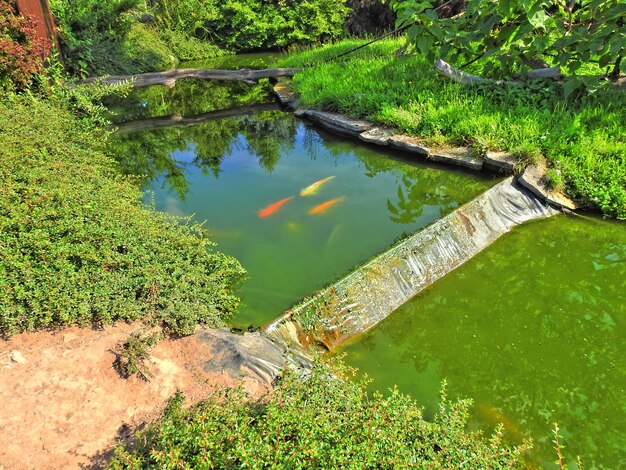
x: 532, y: 329
x: 244, y: 175
x: 256, y: 60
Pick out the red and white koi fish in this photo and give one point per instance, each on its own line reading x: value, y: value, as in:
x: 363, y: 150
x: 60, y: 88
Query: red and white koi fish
x: 269, y: 210
x: 321, y: 208
x: 312, y: 189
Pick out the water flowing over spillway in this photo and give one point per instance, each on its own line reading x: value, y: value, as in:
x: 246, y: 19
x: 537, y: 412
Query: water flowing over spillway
x: 367, y: 296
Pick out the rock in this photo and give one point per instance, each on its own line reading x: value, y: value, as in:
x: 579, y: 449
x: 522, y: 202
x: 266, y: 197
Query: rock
x: 377, y: 135
x: 459, y: 156
x: 533, y: 178
x: 286, y: 96
x: 300, y: 112
x: 500, y: 162
x: 339, y: 123
x: 248, y: 355
x: 408, y: 144
x: 18, y: 357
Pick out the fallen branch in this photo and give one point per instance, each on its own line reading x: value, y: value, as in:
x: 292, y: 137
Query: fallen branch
x: 454, y: 74
x: 176, y: 120
x: 169, y: 77
x: 548, y: 72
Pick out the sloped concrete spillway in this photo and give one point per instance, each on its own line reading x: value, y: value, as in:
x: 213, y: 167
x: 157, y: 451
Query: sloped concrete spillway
x: 368, y: 295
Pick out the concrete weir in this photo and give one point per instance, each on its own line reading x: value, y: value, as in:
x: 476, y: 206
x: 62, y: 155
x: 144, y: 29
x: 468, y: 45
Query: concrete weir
x: 369, y: 294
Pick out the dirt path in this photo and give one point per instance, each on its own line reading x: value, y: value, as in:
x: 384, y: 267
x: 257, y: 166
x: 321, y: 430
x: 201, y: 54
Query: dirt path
x: 62, y: 405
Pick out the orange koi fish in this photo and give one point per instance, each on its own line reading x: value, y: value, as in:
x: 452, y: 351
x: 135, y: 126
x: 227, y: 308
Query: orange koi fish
x: 312, y: 189
x: 269, y: 210
x: 321, y: 208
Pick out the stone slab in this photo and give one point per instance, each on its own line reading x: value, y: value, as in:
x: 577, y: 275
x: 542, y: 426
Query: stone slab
x: 533, y: 178
x: 408, y: 144
x: 459, y: 156
x: 501, y: 162
x: 286, y: 96
x: 339, y: 123
x: 377, y: 135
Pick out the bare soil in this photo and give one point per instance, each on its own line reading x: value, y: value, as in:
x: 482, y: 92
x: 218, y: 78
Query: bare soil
x: 66, y: 407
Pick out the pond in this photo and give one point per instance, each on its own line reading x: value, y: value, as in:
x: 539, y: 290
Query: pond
x: 532, y: 329
x: 298, y: 207
x: 253, y: 60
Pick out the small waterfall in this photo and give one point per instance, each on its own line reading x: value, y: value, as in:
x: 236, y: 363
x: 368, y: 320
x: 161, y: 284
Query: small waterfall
x: 369, y: 294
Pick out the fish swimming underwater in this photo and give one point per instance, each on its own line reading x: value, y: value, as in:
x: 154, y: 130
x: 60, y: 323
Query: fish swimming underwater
x: 312, y: 189
x: 321, y: 208
x: 269, y: 210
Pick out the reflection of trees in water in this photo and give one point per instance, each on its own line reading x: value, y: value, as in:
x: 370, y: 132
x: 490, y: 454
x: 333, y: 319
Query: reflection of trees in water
x: 153, y: 154
x: 419, y: 185
x: 270, y: 138
x: 187, y: 98
x: 559, y: 358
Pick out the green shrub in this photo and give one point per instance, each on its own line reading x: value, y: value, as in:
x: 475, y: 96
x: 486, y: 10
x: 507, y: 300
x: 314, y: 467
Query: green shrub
x: 92, y: 33
x: 317, y: 422
x: 76, y: 245
x: 133, y: 353
x: 257, y: 24
x: 144, y: 50
x: 186, y: 47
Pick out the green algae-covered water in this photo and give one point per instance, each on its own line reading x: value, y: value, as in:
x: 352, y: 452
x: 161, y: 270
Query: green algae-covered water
x: 532, y: 329
x: 246, y: 176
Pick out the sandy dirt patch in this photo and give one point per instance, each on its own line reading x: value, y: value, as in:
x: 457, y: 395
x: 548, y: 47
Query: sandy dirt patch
x: 62, y: 405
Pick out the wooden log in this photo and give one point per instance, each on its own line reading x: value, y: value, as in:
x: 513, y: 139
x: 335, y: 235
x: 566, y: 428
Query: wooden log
x: 548, y: 72
x: 454, y: 74
x: 170, y: 77
x: 176, y: 120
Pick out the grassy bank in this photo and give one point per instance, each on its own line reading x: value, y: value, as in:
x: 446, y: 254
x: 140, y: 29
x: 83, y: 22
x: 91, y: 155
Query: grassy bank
x: 583, y: 141
x: 78, y: 247
x: 320, y: 422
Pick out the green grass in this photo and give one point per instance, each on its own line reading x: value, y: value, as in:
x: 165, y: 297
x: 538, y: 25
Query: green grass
x: 319, y: 422
x: 78, y: 247
x: 585, y: 139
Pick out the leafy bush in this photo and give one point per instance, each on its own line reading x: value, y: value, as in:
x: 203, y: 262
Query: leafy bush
x: 317, y: 422
x: 108, y: 37
x: 518, y: 35
x: 92, y: 33
x: 144, y: 50
x: 77, y: 247
x: 257, y: 24
x: 133, y: 353
x: 21, y: 50
x: 186, y: 47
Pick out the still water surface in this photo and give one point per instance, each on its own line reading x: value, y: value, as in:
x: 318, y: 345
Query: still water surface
x: 532, y: 329
x: 246, y: 177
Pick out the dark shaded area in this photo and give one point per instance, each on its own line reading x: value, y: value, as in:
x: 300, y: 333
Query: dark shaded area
x: 369, y: 17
